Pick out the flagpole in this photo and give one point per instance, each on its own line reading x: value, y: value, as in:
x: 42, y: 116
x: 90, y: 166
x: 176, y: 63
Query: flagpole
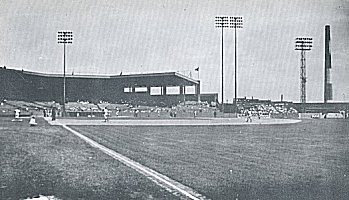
x: 198, y: 89
x: 198, y: 70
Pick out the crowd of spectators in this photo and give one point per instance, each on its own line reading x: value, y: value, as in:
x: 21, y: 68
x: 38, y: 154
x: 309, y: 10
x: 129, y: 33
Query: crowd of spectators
x: 183, y: 109
x: 261, y: 110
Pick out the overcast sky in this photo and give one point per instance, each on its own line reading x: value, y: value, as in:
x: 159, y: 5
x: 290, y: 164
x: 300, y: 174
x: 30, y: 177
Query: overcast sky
x: 139, y: 36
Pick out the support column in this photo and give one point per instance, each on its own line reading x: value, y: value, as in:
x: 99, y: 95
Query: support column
x: 181, y: 89
x: 182, y: 92
x: 197, y: 91
x: 163, y: 91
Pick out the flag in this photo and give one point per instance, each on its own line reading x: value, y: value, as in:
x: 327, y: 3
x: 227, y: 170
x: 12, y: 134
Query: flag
x: 197, y: 69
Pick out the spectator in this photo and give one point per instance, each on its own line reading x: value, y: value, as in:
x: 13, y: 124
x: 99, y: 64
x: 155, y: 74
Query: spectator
x: 136, y: 113
x: 105, y: 114
x: 248, y: 116
x: 53, y: 113
x: 17, y: 112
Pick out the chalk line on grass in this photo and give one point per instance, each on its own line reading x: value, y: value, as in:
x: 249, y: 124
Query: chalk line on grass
x: 169, y: 184
x: 171, y: 122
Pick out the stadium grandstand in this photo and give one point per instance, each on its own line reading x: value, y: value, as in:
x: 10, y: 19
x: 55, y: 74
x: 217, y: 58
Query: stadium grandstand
x: 151, y: 95
x: 161, y: 89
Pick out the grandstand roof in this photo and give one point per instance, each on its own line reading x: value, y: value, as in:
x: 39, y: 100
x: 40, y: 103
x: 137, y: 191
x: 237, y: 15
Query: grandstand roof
x: 153, y: 79
x: 61, y: 75
x: 166, y: 78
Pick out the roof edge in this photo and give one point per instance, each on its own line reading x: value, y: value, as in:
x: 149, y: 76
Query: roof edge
x: 109, y: 76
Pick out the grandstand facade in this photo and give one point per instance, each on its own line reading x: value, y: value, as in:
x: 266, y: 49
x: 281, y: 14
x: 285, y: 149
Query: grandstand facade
x: 142, y: 89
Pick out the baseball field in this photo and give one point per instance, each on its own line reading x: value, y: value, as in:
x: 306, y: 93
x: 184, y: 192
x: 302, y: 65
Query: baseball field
x: 304, y: 160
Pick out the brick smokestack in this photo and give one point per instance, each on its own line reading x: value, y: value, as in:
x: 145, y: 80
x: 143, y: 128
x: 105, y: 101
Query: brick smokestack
x: 327, y: 81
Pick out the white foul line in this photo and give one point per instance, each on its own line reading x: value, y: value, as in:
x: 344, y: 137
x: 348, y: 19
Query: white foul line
x: 155, y: 176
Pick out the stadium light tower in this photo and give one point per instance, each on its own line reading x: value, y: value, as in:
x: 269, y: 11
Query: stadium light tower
x: 64, y: 37
x: 303, y: 44
x: 235, y: 22
x: 222, y: 22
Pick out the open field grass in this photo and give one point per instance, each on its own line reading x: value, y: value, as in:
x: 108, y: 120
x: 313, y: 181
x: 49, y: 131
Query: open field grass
x: 307, y: 160
x: 49, y: 160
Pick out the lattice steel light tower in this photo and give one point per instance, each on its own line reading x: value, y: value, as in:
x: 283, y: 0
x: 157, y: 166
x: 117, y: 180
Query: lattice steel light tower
x: 235, y: 22
x: 64, y: 37
x: 303, y: 44
x: 222, y: 22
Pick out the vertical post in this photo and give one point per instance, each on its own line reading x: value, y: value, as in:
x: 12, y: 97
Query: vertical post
x: 303, y: 80
x: 197, y: 91
x: 303, y: 77
x: 222, y: 22
x: 183, y: 94
x: 235, y: 84
x: 235, y: 22
x: 198, y: 70
x: 222, y: 74
x: 63, y: 112
x: 64, y: 37
x: 303, y: 44
x: 327, y: 81
x: 164, y: 90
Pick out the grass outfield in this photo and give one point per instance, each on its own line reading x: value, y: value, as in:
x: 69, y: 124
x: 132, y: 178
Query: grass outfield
x: 307, y: 160
x: 51, y: 161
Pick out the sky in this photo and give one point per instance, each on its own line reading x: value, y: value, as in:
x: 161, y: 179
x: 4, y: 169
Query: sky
x: 139, y: 36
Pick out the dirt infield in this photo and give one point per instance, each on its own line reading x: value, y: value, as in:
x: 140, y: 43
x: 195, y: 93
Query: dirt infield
x: 169, y: 122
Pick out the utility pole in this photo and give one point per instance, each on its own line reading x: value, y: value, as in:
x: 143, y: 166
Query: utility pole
x: 303, y: 44
x: 222, y: 22
x: 64, y: 37
x: 235, y: 22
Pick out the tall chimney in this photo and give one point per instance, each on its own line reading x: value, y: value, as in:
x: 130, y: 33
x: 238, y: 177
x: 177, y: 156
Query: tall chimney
x: 327, y: 81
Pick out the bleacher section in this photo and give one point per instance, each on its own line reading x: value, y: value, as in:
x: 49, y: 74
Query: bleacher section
x: 260, y: 109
